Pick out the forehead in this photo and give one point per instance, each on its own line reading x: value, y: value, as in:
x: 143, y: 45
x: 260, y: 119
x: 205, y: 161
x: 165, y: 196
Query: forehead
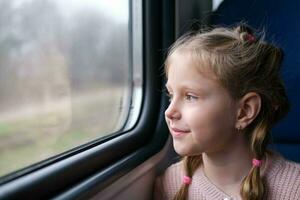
x: 184, y: 70
x: 189, y: 63
x: 196, y: 60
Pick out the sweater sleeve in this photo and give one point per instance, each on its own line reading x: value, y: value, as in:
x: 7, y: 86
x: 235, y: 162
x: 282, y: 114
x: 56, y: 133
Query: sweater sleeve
x: 159, y: 192
x: 168, y: 183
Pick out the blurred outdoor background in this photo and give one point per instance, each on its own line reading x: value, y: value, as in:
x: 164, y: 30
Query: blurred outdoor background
x: 64, y: 76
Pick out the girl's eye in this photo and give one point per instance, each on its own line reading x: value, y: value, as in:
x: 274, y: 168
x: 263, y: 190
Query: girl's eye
x: 190, y: 97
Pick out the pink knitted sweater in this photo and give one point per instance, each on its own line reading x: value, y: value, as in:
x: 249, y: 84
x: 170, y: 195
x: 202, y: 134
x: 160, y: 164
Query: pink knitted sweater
x: 282, y: 179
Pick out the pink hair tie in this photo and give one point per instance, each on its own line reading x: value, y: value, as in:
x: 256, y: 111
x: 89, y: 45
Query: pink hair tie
x: 250, y: 37
x: 187, y: 180
x: 256, y: 162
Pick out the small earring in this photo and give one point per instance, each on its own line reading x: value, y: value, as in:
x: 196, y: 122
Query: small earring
x: 239, y: 128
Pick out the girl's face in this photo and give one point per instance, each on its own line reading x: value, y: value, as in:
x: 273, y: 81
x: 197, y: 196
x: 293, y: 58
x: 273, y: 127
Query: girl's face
x: 201, y: 116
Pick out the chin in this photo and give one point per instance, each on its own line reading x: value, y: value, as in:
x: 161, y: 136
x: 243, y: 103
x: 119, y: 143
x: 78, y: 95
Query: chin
x: 183, y: 151
x: 178, y: 149
x: 180, y: 152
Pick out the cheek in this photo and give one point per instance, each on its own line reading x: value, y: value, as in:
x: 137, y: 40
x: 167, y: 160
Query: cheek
x: 211, y: 122
x: 200, y: 124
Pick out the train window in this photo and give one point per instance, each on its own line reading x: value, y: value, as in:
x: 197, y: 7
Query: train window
x: 215, y: 4
x: 68, y: 73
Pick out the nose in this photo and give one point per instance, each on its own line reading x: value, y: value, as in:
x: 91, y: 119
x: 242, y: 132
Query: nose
x: 172, y: 111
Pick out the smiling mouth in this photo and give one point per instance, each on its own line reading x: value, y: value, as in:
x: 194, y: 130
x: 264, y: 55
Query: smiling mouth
x: 178, y: 132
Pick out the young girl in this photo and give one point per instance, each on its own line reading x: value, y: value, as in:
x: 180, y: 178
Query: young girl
x: 225, y: 96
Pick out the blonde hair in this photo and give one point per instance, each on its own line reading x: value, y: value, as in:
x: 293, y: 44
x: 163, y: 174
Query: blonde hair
x: 242, y: 63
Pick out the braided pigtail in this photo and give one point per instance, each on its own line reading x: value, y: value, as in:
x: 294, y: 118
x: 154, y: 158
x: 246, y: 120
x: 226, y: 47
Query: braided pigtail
x: 190, y: 163
x: 253, y: 186
x: 274, y: 107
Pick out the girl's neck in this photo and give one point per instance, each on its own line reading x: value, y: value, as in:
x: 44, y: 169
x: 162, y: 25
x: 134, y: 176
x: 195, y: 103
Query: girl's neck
x: 227, y: 168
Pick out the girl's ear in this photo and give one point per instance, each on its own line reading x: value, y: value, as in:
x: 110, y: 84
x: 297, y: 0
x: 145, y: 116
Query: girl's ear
x: 249, y: 107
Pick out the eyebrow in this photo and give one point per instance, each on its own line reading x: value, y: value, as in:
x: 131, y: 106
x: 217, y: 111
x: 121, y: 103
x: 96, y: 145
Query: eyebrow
x: 198, y: 89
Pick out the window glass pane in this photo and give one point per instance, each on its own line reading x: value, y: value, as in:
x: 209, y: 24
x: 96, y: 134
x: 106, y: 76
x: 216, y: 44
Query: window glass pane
x: 65, y: 76
x: 216, y: 4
